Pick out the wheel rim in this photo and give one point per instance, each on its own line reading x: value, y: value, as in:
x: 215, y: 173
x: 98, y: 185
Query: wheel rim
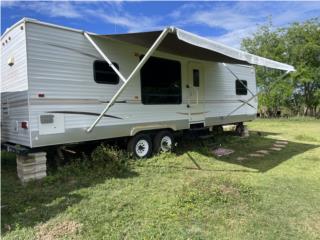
x: 142, y: 148
x: 166, y: 144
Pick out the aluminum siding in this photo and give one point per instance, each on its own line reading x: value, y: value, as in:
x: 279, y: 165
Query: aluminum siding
x: 14, y: 86
x: 60, y: 64
x: 221, y: 98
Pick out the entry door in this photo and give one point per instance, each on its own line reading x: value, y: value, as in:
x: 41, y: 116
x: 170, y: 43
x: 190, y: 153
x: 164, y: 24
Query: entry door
x: 196, y: 92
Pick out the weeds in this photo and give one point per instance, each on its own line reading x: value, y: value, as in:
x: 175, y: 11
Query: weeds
x: 204, y: 191
x: 105, y: 195
x: 113, y: 161
x: 105, y: 160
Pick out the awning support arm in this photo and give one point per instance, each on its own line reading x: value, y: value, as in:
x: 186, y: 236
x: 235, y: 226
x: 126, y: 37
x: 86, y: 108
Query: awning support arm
x: 104, y: 57
x: 253, y: 96
x: 241, y: 105
x: 135, y: 70
x: 225, y: 65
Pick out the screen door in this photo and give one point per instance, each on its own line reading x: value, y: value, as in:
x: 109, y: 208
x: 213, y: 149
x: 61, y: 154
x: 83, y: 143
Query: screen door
x: 196, y: 92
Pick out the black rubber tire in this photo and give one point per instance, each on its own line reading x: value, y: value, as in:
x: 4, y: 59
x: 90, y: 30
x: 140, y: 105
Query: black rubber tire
x: 239, y: 129
x: 220, y: 130
x: 131, y: 147
x: 53, y: 158
x: 217, y: 130
x: 158, y: 138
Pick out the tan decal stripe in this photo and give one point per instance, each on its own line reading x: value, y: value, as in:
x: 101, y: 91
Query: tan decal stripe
x: 197, y: 113
x: 84, y: 113
x: 65, y: 101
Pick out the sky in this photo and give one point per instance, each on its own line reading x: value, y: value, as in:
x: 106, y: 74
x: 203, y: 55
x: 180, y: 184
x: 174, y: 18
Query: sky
x: 225, y: 22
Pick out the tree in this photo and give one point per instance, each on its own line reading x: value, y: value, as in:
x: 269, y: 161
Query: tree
x: 299, y: 45
x: 303, y: 47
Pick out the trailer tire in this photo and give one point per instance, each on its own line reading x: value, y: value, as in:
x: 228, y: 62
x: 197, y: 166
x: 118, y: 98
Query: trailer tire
x: 163, y: 142
x: 218, y: 130
x: 239, y: 129
x: 140, y: 146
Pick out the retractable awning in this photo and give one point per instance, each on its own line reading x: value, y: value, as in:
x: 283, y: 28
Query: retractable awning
x: 179, y: 42
x: 187, y: 44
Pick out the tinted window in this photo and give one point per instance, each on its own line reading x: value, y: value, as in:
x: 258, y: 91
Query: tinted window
x: 161, y: 81
x: 104, y: 74
x: 196, y: 78
x: 241, y: 87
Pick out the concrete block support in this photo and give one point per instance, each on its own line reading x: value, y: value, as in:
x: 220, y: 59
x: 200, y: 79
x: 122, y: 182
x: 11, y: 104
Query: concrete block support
x: 32, y: 167
x: 245, y: 131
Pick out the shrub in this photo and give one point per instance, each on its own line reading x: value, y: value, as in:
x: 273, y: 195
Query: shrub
x: 105, y: 161
x: 113, y: 161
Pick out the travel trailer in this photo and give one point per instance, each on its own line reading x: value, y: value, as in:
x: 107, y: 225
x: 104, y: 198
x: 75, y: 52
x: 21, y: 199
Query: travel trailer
x: 61, y: 85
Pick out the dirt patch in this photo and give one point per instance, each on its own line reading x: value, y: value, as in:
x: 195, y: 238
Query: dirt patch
x: 222, y: 152
x: 229, y: 190
x: 312, y: 225
x: 52, y: 231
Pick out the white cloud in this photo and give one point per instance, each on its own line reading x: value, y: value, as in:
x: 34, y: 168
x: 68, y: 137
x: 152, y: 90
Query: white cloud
x: 52, y: 9
x: 240, y: 19
x: 178, y: 13
x: 111, y: 12
x: 234, y: 37
x: 133, y: 23
x: 235, y: 19
x: 6, y: 3
x: 231, y: 20
x: 56, y: 9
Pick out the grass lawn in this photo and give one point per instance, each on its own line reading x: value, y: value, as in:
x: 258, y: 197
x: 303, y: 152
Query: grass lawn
x: 276, y: 196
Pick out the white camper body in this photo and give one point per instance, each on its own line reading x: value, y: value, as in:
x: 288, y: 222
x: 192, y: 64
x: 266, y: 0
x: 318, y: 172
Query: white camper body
x: 50, y: 97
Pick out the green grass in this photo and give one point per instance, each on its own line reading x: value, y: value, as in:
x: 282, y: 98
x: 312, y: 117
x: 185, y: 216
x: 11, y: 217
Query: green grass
x: 168, y: 197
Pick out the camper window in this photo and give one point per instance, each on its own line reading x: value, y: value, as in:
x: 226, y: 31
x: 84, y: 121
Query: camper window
x: 104, y: 74
x: 241, y: 87
x: 161, y: 81
x: 196, y: 78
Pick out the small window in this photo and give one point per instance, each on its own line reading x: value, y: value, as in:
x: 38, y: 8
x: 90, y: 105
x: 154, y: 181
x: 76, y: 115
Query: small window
x: 196, y: 78
x: 241, y: 87
x: 104, y: 74
x: 161, y: 81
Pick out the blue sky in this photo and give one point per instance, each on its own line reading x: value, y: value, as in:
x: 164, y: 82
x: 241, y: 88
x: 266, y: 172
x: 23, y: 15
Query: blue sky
x: 226, y: 22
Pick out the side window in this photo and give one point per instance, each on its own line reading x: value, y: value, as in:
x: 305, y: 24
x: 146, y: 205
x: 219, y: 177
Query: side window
x: 196, y: 78
x: 161, y: 81
x: 104, y: 74
x: 241, y: 87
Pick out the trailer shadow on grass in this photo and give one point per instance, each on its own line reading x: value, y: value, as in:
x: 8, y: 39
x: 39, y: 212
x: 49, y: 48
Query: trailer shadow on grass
x: 36, y: 202
x: 242, y: 148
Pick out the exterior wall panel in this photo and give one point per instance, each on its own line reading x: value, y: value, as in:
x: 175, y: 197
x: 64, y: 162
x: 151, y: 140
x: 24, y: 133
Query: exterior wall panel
x: 58, y: 66
x: 14, y: 86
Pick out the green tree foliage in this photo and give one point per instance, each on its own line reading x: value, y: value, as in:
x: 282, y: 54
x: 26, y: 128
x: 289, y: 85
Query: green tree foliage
x: 298, y: 45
